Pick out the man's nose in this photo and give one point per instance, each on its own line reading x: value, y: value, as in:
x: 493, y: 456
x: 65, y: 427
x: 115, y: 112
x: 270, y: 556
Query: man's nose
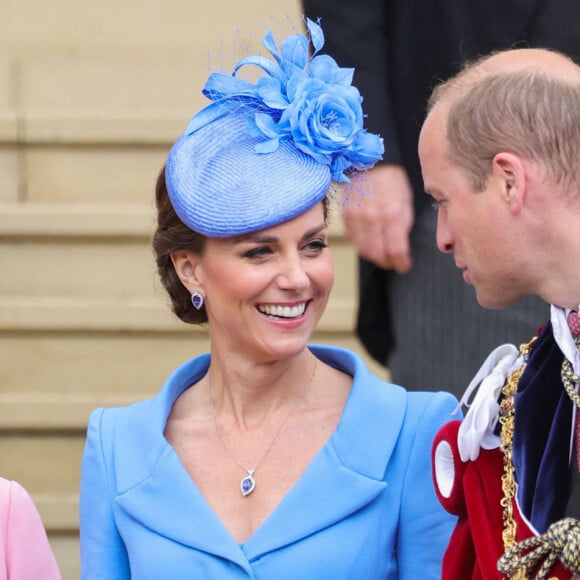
x: 444, y: 237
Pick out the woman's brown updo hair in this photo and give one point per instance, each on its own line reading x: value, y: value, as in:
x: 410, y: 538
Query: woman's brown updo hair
x: 170, y: 236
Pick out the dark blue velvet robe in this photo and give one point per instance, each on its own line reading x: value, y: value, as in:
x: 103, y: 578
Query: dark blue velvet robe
x: 542, y: 435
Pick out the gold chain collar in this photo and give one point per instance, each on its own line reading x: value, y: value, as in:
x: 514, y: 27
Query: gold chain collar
x: 564, y: 531
x: 570, y: 379
x: 506, y: 419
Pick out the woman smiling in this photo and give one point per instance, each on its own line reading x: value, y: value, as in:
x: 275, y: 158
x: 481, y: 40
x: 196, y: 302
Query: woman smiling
x: 267, y: 457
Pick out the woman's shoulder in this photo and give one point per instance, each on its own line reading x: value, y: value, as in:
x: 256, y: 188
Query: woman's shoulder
x: 15, y: 499
x: 25, y: 548
x: 352, y: 363
x: 12, y: 492
x: 432, y: 398
x: 20, y: 513
x: 159, y: 405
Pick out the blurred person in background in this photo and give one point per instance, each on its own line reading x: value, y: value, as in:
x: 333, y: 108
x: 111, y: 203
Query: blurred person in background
x: 416, y: 315
x: 25, y: 553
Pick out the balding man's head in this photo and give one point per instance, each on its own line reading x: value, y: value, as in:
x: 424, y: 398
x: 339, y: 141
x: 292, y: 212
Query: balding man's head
x: 554, y: 63
x: 522, y: 100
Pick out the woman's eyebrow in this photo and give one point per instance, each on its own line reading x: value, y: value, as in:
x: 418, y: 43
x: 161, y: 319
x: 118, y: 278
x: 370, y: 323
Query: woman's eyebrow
x: 256, y: 238
x: 259, y: 238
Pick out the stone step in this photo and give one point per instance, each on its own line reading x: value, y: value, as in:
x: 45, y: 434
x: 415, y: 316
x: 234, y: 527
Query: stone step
x: 80, y: 298
x: 91, y: 268
x: 51, y: 381
x: 91, y: 98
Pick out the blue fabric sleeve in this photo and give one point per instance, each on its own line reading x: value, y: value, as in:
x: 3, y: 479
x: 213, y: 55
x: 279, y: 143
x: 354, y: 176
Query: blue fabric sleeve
x: 103, y: 554
x: 424, y: 527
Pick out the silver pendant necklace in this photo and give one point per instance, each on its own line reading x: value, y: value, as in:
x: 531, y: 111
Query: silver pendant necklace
x: 248, y: 482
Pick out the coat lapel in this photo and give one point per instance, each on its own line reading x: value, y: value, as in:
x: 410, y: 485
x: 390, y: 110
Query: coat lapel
x: 345, y: 475
x: 155, y: 489
x: 348, y: 472
x: 170, y: 504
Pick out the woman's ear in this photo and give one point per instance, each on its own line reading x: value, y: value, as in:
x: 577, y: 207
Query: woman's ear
x: 185, y: 264
x: 509, y: 170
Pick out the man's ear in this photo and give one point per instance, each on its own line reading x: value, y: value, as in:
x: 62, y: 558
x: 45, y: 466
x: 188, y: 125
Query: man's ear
x: 185, y: 264
x: 509, y: 171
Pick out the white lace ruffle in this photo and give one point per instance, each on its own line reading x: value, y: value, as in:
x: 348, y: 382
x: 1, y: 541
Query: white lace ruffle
x: 476, y: 430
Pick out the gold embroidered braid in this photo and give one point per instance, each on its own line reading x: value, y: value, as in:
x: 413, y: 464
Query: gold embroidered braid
x: 508, y: 485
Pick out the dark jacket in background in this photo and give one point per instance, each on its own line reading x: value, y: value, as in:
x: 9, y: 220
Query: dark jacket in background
x: 400, y: 49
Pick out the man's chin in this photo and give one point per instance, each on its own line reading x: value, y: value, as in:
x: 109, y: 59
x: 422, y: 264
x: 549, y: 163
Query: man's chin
x: 493, y: 301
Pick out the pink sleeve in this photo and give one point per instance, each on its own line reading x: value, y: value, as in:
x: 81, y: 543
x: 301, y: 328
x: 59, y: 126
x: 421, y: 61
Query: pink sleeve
x: 25, y: 546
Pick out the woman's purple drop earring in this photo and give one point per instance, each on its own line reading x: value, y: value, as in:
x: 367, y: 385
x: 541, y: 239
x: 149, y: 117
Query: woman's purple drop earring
x: 197, y: 300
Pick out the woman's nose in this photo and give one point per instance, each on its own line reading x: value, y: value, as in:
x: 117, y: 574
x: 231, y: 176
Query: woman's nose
x: 292, y: 275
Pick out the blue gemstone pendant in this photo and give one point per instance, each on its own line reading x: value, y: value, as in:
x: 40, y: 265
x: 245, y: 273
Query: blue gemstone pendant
x: 248, y: 484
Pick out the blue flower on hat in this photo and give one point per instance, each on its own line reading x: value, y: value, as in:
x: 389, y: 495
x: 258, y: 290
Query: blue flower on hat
x: 308, y: 101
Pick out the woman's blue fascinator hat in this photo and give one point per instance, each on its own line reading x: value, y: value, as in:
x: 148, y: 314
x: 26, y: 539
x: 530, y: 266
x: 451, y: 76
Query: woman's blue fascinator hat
x: 264, y: 153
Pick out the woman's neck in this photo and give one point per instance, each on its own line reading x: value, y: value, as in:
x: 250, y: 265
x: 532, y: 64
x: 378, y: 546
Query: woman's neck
x: 251, y: 393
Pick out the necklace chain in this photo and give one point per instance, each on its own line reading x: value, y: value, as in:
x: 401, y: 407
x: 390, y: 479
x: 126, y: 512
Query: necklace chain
x: 248, y: 483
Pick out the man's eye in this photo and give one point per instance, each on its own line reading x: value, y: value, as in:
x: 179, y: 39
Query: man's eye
x: 436, y: 204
